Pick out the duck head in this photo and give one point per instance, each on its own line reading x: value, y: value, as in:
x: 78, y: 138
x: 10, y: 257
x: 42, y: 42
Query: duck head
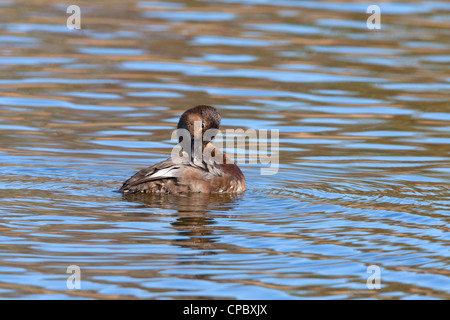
x: 201, y: 125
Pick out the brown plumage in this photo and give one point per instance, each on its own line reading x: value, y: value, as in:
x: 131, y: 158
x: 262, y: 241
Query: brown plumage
x: 197, y: 171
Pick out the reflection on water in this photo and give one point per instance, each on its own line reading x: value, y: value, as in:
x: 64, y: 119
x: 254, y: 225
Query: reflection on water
x: 364, y: 149
x: 198, y: 203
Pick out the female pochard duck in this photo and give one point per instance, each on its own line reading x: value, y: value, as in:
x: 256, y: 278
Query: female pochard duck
x: 206, y: 171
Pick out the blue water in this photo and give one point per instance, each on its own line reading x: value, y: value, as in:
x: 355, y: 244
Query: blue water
x: 363, y: 176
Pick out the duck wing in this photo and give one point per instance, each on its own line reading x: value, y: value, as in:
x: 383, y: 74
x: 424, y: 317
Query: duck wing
x: 160, y: 176
x: 162, y: 170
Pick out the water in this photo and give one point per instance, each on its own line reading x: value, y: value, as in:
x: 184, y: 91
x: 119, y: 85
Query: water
x: 364, y: 170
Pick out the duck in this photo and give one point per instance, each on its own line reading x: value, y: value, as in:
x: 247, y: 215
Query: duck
x: 196, y: 167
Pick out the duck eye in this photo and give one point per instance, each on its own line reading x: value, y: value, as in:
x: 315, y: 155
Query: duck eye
x: 203, y: 125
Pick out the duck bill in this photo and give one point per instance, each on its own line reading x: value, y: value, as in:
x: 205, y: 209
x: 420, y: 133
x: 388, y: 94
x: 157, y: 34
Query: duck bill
x: 197, y: 144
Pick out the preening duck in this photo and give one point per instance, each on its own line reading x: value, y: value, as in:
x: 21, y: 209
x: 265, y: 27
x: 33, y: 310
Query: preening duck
x: 198, y: 167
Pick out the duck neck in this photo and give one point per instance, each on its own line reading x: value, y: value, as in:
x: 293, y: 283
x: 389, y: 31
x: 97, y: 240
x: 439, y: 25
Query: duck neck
x: 197, y: 147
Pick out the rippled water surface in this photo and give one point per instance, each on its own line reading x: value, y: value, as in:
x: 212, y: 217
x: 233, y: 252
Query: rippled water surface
x: 363, y: 118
